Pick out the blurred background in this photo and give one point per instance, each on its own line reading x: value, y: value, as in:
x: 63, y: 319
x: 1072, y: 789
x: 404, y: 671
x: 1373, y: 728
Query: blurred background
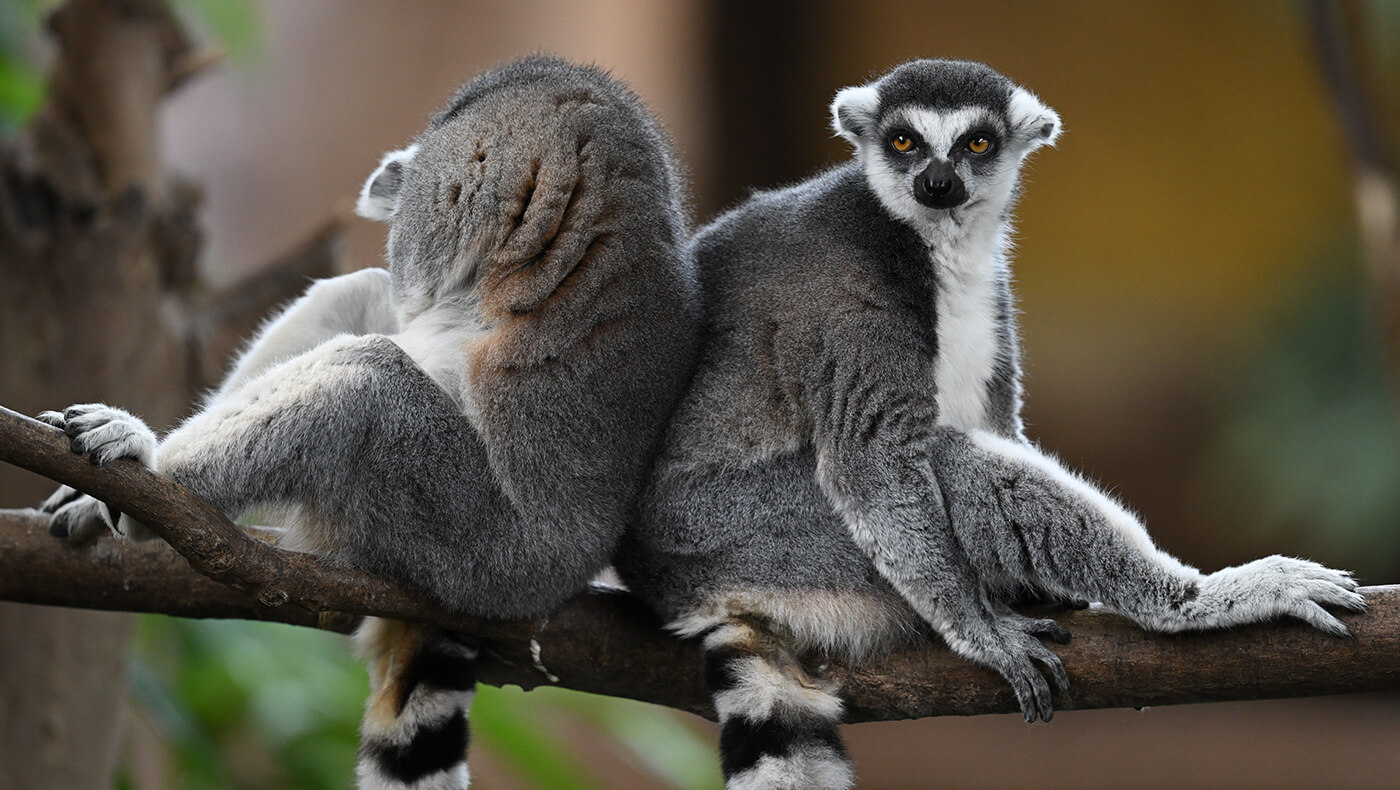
x: 1201, y: 334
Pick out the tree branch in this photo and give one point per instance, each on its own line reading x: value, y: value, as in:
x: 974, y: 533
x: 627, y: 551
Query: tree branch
x: 606, y: 642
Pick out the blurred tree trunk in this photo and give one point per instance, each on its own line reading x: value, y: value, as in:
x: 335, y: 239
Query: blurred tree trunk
x: 96, y: 254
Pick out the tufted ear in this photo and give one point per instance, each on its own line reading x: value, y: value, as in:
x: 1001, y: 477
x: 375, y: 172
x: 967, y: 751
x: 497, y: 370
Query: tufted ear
x: 380, y: 194
x: 1032, y: 121
x: 853, y: 111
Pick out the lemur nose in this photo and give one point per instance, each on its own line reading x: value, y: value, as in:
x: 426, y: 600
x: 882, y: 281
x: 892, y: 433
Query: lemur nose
x: 939, y: 187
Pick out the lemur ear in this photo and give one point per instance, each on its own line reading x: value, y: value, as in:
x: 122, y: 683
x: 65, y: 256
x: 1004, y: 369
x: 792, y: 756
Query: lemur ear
x: 1032, y: 121
x: 380, y: 194
x: 853, y: 111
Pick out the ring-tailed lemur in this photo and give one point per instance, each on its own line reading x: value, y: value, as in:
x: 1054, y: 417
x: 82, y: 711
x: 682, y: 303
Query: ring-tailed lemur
x: 476, y: 422
x: 848, y: 466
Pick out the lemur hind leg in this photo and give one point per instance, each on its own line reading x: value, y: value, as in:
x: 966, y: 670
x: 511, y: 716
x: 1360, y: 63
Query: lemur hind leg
x: 1021, y: 516
x: 777, y: 723
x: 355, y: 304
x: 325, y: 432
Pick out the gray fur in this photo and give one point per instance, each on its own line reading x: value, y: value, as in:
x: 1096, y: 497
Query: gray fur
x: 483, y: 432
x: 816, y: 453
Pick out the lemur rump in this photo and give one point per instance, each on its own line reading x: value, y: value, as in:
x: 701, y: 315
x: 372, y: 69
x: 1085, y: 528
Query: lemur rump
x: 848, y: 467
x: 476, y: 422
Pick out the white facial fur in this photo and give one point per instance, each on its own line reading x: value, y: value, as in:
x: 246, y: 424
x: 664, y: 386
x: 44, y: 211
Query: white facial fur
x: 1031, y: 125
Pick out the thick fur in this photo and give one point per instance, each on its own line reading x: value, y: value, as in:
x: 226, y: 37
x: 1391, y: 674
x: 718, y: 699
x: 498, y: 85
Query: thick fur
x: 478, y: 421
x: 853, y: 432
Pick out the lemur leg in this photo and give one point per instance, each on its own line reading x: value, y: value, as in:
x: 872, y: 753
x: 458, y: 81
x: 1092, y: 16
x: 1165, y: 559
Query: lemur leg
x: 777, y: 723
x: 415, y: 731
x: 326, y: 431
x: 1020, y: 514
x: 356, y: 304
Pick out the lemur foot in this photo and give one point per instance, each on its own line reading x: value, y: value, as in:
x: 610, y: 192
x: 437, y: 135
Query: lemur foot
x: 1015, y: 653
x: 105, y: 434
x: 1042, y: 627
x: 1275, y: 586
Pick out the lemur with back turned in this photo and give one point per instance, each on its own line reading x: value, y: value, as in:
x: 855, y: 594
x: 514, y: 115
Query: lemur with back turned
x: 476, y: 422
x: 849, y: 468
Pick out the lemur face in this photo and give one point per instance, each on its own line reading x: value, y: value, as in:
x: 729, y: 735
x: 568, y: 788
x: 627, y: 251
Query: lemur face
x: 943, y: 139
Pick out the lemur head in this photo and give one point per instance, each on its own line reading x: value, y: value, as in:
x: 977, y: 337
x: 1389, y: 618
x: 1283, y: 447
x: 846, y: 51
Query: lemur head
x: 509, y: 183
x: 943, y: 139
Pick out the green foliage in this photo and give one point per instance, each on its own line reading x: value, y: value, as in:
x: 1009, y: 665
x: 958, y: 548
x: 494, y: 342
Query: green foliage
x: 250, y: 705
x: 262, y: 705
x: 21, y: 84
x: 1312, y: 440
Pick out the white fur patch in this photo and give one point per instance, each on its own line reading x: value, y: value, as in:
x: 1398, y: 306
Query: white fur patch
x: 438, y: 340
x: 966, y: 313
x: 381, y: 207
x: 763, y: 691
x: 809, y: 768
x: 426, y: 707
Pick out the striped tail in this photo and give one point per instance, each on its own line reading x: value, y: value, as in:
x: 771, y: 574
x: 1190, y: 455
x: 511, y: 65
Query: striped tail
x: 777, y: 724
x: 415, y: 733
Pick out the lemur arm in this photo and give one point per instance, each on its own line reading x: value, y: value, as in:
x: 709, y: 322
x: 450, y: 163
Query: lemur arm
x: 1021, y: 515
x: 354, y: 304
x: 874, y: 420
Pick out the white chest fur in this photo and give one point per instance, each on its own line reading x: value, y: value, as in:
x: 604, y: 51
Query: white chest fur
x: 968, y: 272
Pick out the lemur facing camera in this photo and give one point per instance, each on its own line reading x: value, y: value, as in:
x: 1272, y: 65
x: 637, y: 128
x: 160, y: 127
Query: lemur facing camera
x: 478, y: 421
x: 848, y: 466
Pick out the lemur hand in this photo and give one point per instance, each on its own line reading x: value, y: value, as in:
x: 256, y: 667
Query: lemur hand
x: 105, y: 434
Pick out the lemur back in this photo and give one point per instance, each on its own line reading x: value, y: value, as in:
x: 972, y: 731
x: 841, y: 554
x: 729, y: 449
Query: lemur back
x: 477, y: 422
x: 848, y: 469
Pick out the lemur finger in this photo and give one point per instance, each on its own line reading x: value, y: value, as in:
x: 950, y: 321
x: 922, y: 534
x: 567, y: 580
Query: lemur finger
x: 1330, y: 594
x: 1056, y: 668
x: 59, y: 498
x: 109, y: 442
x: 1032, y: 691
x: 54, y: 418
x: 79, y: 409
x: 1319, y: 618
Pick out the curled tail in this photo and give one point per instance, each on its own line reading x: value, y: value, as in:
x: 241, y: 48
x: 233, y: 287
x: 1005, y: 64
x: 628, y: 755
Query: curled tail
x: 415, y: 731
x: 777, y: 723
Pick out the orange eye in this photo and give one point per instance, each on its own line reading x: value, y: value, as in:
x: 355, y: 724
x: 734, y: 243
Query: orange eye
x: 901, y: 143
x: 979, y: 145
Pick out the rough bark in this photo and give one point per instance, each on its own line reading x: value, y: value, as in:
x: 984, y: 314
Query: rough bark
x: 607, y: 642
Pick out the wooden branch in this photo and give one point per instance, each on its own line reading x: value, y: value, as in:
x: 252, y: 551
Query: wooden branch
x: 607, y: 642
